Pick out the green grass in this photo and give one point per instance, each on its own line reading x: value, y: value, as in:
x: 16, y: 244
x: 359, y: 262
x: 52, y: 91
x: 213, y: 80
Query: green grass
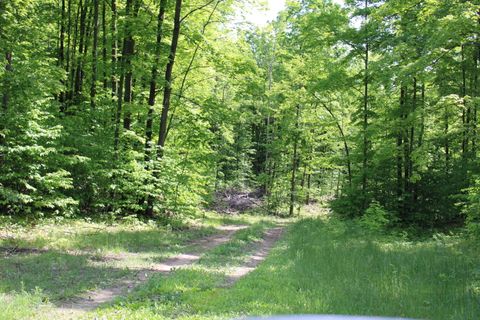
x: 165, y: 296
x: 99, y: 236
x: 73, y: 262
x: 25, y: 305
x: 323, y: 266
x: 75, y: 256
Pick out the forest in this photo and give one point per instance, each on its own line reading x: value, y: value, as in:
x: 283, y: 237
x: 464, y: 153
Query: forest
x: 345, y: 129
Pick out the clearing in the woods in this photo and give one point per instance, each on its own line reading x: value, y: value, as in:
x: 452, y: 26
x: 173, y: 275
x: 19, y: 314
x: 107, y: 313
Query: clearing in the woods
x: 219, y: 269
x: 73, y: 270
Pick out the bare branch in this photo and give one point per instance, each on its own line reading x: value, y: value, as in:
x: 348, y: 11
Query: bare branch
x: 197, y: 9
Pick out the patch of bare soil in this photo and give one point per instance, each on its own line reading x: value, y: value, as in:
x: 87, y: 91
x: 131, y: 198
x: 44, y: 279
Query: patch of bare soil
x: 91, y: 300
x: 234, y: 201
x: 260, y: 254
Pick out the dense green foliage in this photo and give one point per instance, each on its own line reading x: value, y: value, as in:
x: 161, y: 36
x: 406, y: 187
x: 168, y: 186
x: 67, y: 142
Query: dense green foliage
x: 149, y: 107
x: 114, y: 110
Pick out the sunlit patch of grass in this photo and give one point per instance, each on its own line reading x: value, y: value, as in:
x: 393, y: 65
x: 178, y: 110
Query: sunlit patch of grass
x: 130, y: 235
x: 82, y: 256
x: 214, y: 219
x: 168, y: 297
x: 77, y: 255
x: 235, y: 251
x: 325, y: 266
x: 23, y: 305
x: 322, y: 265
x: 330, y: 267
x: 98, y: 237
x: 58, y: 275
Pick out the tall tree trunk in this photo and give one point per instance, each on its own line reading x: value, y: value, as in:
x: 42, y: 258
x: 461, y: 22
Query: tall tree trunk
x: 190, y: 65
x: 152, y: 96
x: 447, y: 141
x: 104, y: 44
x: 61, y: 54
x: 93, y: 88
x: 126, y: 48
x: 61, y: 44
x: 476, y: 92
x: 7, y: 52
x: 294, y: 164
x: 463, y: 93
x: 129, y: 50
x: 304, y: 178
x: 309, y: 185
x: 400, y: 153
x: 167, y: 93
x: 6, y: 85
x: 88, y: 31
x: 476, y: 60
x: 81, y: 45
x: 412, y: 141
x: 73, y: 56
x: 268, y: 120
x: 118, y: 114
x: 365, y: 112
x: 69, y: 31
x: 406, y: 148
x: 113, y: 26
x: 422, y: 124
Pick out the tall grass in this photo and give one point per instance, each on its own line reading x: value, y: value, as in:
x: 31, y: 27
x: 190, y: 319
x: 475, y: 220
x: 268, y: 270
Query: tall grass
x: 333, y: 267
x: 23, y: 305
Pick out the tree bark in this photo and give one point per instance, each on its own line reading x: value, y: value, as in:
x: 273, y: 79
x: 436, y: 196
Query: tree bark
x: 447, y: 141
x: 406, y: 148
x: 104, y: 44
x: 69, y: 31
x: 129, y: 50
x: 476, y: 60
x: 309, y: 185
x: 113, y: 26
x: 365, y: 112
x: 400, y: 156
x: 82, y: 34
x: 61, y: 54
x: 73, y: 56
x: 294, y: 164
x: 190, y: 65
x: 167, y: 92
x: 168, y: 80
x: 412, y: 143
x: 93, y: 88
x: 152, y: 96
x: 463, y: 93
x: 422, y: 124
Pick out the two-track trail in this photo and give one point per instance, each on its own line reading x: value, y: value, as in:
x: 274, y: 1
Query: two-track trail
x: 260, y: 253
x: 93, y: 299
x: 89, y: 301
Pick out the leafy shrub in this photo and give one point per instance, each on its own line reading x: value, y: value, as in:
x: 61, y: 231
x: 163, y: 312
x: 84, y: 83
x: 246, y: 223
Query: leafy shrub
x: 349, y: 204
x: 376, y: 218
x: 472, y: 209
